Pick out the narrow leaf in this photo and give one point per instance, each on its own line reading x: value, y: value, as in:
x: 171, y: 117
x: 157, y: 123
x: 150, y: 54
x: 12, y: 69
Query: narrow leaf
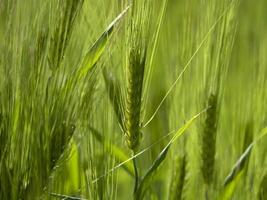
x: 230, y: 187
x: 116, y: 151
x: 239, y: 165
x: 237, y: 171
x: 94, y: 53
x: 161, y: 157
x: 178, y: 133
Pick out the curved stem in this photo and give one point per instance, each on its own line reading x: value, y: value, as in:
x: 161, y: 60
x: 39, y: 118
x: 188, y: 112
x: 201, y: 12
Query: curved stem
x: 135, y: 173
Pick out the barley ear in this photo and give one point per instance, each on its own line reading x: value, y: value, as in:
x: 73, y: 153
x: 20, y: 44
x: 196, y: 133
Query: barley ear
x: 262, y: 193
x: 178, y: 178
x: 135, y: 77
x: 209, y: 140
x: 114, y: 92
x: 248, y: 139
x: 67, y: 12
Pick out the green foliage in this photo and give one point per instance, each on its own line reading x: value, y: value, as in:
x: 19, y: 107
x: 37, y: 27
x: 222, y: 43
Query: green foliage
x: 114, y: 150
x: 92, y: 93
x: 161, y: 157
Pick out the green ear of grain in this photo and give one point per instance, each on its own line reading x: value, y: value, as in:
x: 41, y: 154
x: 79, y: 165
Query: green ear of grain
x: 262, y: 192
x: 114, y: 92
x: 116, y: 151
x: 178, y: 178
x: 208, y: 139
x: 161, y: 157
x: 61, y: 144
x: 63, y: 30
x: 94, y: 53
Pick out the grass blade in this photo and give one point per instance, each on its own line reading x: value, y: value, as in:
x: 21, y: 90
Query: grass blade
x: 161, y: 157
x: 116, y: 151
x: 237, y: 171
x: 176, y: 136
x: 239, y: 166
x: 94, y: 53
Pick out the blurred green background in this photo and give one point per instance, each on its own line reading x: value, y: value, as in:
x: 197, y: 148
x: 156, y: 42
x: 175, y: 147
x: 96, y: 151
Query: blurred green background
x: 59, y: 134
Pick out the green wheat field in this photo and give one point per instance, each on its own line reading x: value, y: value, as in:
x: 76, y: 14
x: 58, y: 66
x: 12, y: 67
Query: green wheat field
x: 133, y: 99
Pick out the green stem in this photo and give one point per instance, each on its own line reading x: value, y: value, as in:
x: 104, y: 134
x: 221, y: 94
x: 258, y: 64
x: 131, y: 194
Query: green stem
x: 136, y: 174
